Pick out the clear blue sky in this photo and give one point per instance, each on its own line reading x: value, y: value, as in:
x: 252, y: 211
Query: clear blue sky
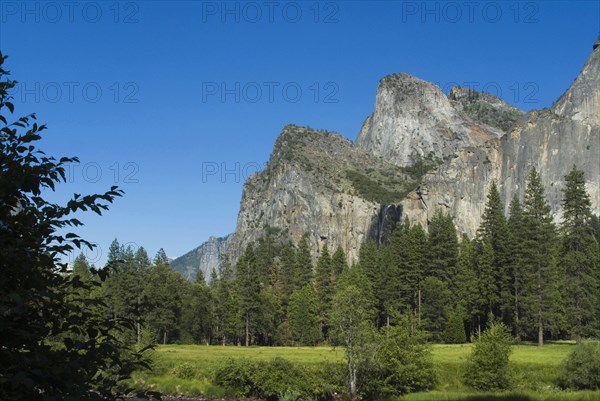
x: 162, y: 97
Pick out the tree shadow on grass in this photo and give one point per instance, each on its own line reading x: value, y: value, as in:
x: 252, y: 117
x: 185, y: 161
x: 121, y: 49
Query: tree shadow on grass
x: 507, y: 397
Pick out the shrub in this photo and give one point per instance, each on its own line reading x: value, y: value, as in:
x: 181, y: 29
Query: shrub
x: 403, y: 363
x: 184, y: 371
x: 278, y: 379
x: 236, y: 375
x: 581, y: 369
x: 487, y: 366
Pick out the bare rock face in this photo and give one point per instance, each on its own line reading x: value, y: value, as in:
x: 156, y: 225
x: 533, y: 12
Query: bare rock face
x: 555, y: 140
x: 206, y: 257
x: 551, y: 140
x: 312, y: 184
x: 414, y: 119
x: 418, y: 152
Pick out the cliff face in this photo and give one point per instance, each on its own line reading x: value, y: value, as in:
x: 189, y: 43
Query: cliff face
x: 556, y: 139
x: 206, y: 257
x: 414, y: 119
x: 321, y: 184
x: 551, y: 140
x: 418, y: 152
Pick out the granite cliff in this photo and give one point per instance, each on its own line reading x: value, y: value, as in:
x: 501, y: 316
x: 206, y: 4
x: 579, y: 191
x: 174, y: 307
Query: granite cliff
x: 419, y: 151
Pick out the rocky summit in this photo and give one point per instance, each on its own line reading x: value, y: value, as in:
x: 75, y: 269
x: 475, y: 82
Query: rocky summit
x: 420, y: 151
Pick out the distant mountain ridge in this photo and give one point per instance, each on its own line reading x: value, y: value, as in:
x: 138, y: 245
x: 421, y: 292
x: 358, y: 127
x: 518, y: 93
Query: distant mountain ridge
x: 205, y: 257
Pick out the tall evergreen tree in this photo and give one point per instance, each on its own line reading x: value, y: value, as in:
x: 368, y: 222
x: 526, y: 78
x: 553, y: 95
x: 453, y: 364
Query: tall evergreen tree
x: 487, y: 286
x: 436, y: 298
x: 516, y: 266
x: 541, y: 297
x: 163, y: 294
x: 412, y: 248
x: 304, y: 318
x: 248, y: 287
x: 388, y: 289
x: 304, y: 267
x: 494, y: 229
x: 338, y: 262
x: 579, y: 256
x: 443, y: 247
x: 324, y: 287
x: 466, y: 284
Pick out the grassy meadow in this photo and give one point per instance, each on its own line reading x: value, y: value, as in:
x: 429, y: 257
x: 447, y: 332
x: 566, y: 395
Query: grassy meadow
x: 186, y: 370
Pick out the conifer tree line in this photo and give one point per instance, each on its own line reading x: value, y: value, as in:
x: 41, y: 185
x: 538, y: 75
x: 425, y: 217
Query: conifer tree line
x: 540, y: 279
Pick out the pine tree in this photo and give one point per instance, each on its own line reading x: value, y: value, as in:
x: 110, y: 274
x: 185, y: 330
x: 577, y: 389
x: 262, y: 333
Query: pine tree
x: 487, y: 287
x: 304, y: 318
x: 82, y: 268
x: 115, y: 252
x: 435, y: 299
x: 248, y: 288
x: 454, y: 332
x: 516, y: 252
x: 324, y: 287
x: 162, y: 294
x: 541, y: 297
x: 304, y: 268
x: 338, y: 263
x: 465, y: 290
x: 443, y: 247
x: 578, y: 256
x: 411, y: 246
x: 494, y: 229
x: 287, y: 268
x: 369, y: 263
x: 388, y: 289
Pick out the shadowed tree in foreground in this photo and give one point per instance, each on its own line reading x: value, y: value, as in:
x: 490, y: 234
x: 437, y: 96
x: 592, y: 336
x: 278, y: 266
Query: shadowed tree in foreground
x: 56, y: 344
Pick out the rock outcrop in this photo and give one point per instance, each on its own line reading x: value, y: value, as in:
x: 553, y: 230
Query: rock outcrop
x: 551, y: 140
x: 319, y: 183
x: 206, y: 257
x: 420, y: 151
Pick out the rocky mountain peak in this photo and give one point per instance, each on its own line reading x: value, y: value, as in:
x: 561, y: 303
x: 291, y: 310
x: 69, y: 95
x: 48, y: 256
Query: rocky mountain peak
x: 581, y: 102
x: 414, y: 120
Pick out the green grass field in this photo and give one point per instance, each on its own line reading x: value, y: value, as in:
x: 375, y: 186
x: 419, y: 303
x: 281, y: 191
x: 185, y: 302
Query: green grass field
x: 186, y: 370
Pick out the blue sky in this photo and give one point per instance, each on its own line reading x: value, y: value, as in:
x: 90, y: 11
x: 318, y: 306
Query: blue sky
x: 177, y: 102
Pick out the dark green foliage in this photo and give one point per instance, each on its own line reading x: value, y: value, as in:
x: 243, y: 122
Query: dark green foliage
x: 540, y: 297
x: 305, y: 324
x: 487, y: 366
x: 421, y: 166
x: 403, y: 362
x: 387, y: 189
x: 435, y: 299
x: 339, y: 264
x: 581, y: 369
x: 163, y: 294
x: 443, y: 248
x: 487, y: 287
x: 579, y: 256
x: 454, y: 332
x: 596, y: 224
x: 502, y: 118
x: 56, y: 342
x: 273, y: 380
x: 324, y: 286
x: 410, y: 245
x: 248, y: 290
x: 517, y: 252
x: 304, y: 268
x: 197, y: 313
x: 494, y: 230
